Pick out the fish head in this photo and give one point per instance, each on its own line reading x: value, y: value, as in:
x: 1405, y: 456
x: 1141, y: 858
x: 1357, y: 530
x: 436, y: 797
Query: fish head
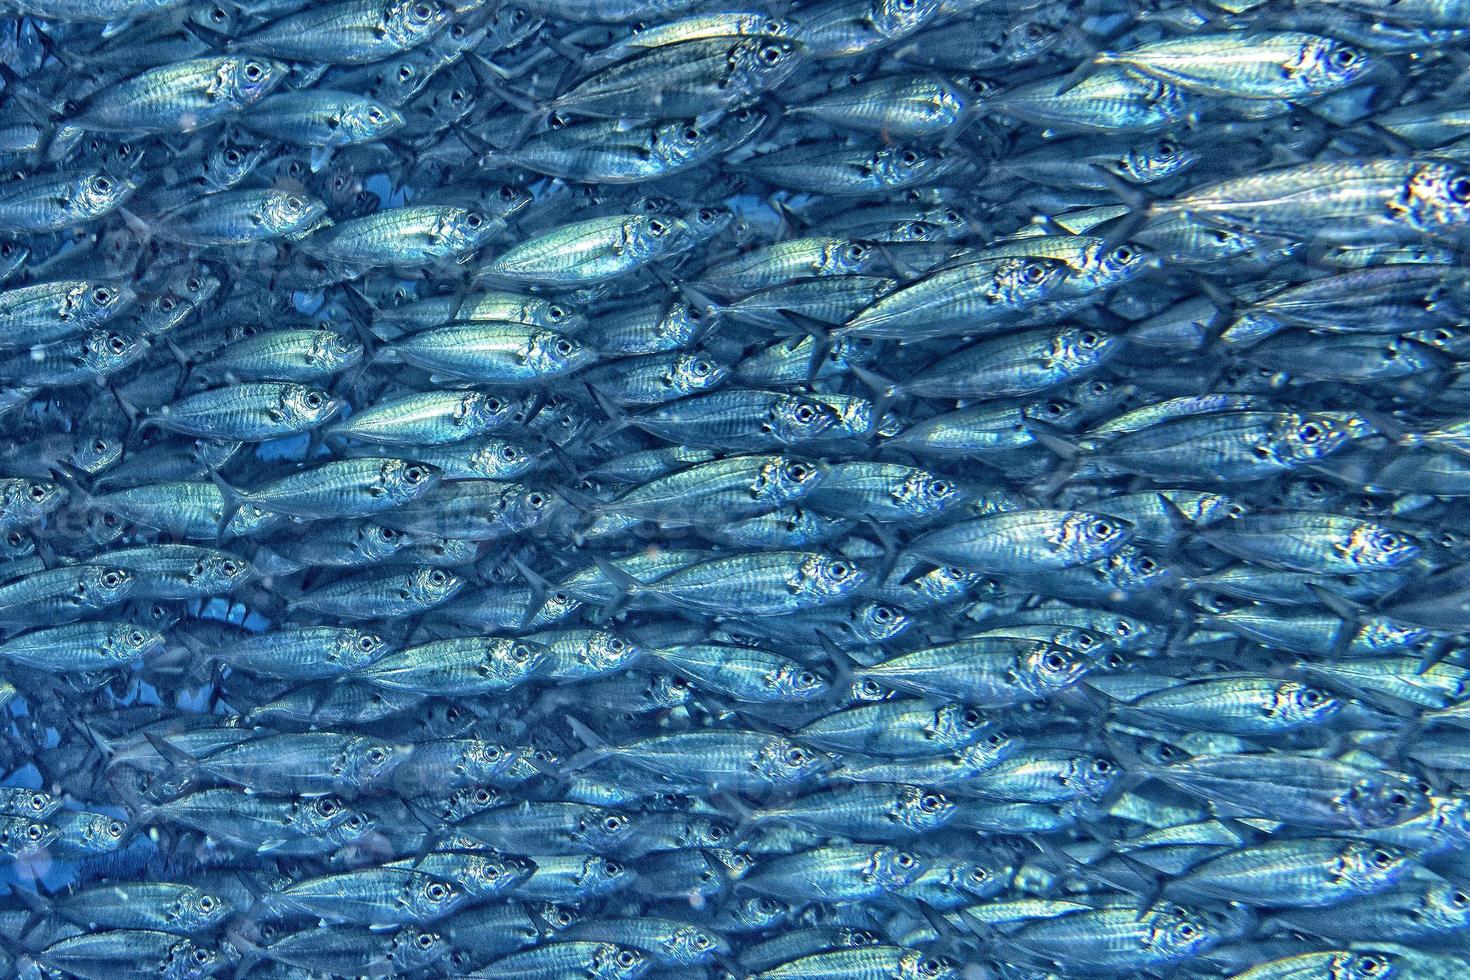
x: 613, y: 962
x: 1370, y: 867
x: 767, y: 61
x: 94, y: 833
x: 1384, y: 799
x: 826, y: 576
x: 892, y: 868
x: 416, y: 949
x: 923, y: 810
x: 897, y: 18
x: 954, y: 725
x: 30, y: 499
x: 690, y: 945
x: 188, y: 960
x: 289, y: 213
x: 794, y: 419
x: 502, y: 459
x: 412, y: 21
x: 1304, y: 704
x: 431, y: 586
x: 306, y: 406
x: 916, y: 965
x: 1325, y: 63
x: 404, y: 480
x: 246, y: 80
x: 96, y: 194
x: 551, y: 353
x: 480, y: 411
x: 365, y: 120
x: 1373, y: 547
x: 1446, y: 904
x: 514, y: 660
x: 105, y: 351
x: 783, y: 763
x: 1153, y: 160
x: 1087, y: 537
x: 128, y: 644
x: 201, y: 910
x: 1047, y: 668
x: 101, y: 586
x: 783, y: 478
x: 877, y: 622
x: 694, y: 372
x: 1436, y: 197
x: 927, y: 494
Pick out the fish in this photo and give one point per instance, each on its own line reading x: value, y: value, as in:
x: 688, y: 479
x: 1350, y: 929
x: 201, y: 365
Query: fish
x: 898, y: 489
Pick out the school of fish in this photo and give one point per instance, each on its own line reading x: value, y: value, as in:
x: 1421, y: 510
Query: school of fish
x: 816, y: 490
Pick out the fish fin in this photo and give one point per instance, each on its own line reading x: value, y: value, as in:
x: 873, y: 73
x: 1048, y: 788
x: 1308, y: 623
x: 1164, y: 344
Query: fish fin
x: 627, y: 586
x: 234, y: 500
x: 883, y: 389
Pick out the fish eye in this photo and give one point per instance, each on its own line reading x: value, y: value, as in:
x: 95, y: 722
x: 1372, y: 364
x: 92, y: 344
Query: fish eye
x: 253, y: 71
x: 473, y: 219
x: 314, y: 400
x: 806, y: 678
x: 1055, y: 661
x: 564, y: 347
x: 376, y: 754
x: 1460, y: 189
x: 102, y: 295
x: 218, y: 16
x: 115, y: 829
x: 422, y: 11
x: 201, y: 956
x: 117, y: 344
x: 102, y: 184
x: 805, y: 413
x: 627, y: 959
x: 1344, y: 57
x: 1147, y: 565
x: 904, y: 860
x: 691, y: 133
x: 438, y: 892
x: 1187, y: 931
x: 1383, y: 860
x: 1033, y: 273
x: 855, y: 253
x: 657, y: 228
x: 232, y: 157
x: 795, y: 756
x: 971, y: 718
x: 112, y: 580
x: 612, y: 869
x: 1102, y: 529
x: 1123, y: 254
x: 405, y: 72
x: 909, y: 157
x: 1459, y: 899
x: 206, y: 903
x: 840, y: 569
x: 425, y: 940
x: 1166, y: 149
x: 38, y: 492
x: 438, y: 577
x: 1309, y: 432
x: 230, y: 567
x: 1102, y: 766
x: 770, y: 54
